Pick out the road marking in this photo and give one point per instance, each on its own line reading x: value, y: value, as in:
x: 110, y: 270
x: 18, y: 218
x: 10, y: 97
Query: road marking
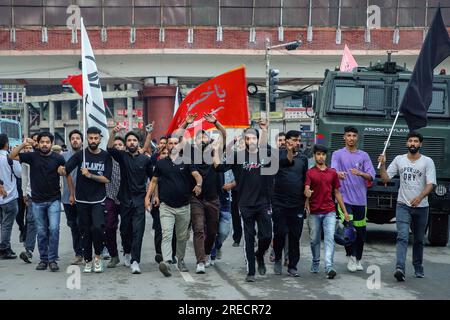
x: 186, y: 276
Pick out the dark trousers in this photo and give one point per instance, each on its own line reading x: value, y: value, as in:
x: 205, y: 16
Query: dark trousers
x: 73, y: 224
x: 158, y: 233
x: 20, y: 218
x: 205, y: 224
x: 262, y: 217
x: 358, y: 217
x: 112, y: 211
x: 92, y: 227
x: 287, y: 221
x: 236, y: 218
x: 132, y: 227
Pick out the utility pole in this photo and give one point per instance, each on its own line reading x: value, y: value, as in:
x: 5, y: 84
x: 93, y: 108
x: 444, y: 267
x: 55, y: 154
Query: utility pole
x: 288, y: 46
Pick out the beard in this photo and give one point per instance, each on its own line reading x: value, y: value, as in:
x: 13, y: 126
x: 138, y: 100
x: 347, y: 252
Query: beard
x: 76, y: 147
x: 132, y: 149
x: 93, y: 146
x: 413, y: 149
x: 45, y: 150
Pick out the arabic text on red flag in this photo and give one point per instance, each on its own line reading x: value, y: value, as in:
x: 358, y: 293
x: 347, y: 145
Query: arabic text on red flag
x: 224, y: 96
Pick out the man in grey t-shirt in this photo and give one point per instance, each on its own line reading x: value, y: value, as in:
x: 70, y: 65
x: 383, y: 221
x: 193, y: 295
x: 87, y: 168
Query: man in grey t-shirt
x: 417, y: 177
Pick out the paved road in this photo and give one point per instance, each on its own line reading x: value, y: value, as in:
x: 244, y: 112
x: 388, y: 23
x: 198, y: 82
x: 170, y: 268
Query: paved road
x: 226, y: 279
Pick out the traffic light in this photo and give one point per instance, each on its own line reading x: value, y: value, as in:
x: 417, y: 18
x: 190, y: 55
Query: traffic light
x: 292, y: 45
x: 273, y: 84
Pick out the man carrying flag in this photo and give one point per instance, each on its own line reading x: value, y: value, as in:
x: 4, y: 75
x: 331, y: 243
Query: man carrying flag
x: 93, y: 103
x: 417, y: 172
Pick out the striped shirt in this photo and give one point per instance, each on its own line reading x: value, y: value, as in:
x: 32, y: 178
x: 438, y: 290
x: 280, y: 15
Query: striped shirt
x: 112, y: 188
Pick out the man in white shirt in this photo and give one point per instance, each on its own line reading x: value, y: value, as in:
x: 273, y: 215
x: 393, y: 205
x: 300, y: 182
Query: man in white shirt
x: 9, y: 170
x: 417, y: 177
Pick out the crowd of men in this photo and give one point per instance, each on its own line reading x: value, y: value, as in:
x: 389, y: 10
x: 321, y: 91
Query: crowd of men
x: 209, y: 187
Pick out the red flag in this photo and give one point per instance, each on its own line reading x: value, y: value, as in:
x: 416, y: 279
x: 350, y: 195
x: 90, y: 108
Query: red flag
x: 76, y: 82
x: 224, y: 96
x: 348, y: 62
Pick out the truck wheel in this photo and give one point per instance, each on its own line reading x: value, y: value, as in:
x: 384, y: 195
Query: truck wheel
x: 438, y: 229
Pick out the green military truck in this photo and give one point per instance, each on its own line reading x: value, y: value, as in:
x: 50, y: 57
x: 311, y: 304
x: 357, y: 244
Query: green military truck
x: 368, y: 98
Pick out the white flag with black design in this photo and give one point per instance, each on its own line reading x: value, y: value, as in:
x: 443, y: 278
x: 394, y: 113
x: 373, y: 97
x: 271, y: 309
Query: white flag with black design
x: 93, y: 103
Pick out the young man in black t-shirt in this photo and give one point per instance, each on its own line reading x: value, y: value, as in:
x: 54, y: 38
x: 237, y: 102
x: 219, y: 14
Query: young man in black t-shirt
x: 94, y: 167
x: 174, y: 180
x: 253, y: 169
x: 135, y: 170
x: 45, y: 195
x: 288, y: 204
x: 204, y: 208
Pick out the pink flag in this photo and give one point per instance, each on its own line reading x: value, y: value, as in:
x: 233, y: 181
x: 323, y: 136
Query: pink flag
x: 347, y: 62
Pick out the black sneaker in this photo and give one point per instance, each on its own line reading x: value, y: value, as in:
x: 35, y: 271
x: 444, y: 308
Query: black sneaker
x: 53, y: 266
x: 165, y: 269
x: 174, y: 260
x: 293, y: 273
x: 42, y: 266
x: 158, y: 258
x: 261, y: 266
x: 236, y: 244
x: 331, y: 274
x: 9, y: 255
x: 399, y: 275
x: 250, y: 278
x: 26, y: 256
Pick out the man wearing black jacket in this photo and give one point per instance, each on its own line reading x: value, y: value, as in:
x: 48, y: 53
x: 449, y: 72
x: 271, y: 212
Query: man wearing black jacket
x: 288, y: 204
x: 253, y: 169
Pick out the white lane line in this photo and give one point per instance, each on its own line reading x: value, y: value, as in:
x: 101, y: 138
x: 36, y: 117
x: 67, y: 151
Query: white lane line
x: 186, y: 276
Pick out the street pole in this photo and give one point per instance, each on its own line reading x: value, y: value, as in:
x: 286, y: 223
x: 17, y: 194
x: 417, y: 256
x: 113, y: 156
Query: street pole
x: 267, y: 75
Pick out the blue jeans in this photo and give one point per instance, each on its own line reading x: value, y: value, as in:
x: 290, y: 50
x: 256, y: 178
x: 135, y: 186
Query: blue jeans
x: 47, y: 216
x: 417, y: 218
x: 30, y: 241
x: 328, y: 222
x: 8, y: 213
x: 224, y: 231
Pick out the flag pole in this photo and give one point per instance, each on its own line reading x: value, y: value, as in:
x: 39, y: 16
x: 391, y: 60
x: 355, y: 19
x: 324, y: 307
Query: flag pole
x: 389, y: 137
x: 83, y: 69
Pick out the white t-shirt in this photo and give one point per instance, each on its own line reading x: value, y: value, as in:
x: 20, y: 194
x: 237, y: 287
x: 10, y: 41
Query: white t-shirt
x: 414, y: 176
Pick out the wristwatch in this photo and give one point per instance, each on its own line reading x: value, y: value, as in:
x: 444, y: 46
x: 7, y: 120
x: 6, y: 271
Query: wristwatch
x: 199, y: 185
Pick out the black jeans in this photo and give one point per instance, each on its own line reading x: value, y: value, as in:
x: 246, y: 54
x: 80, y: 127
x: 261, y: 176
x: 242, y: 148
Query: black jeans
x: 260, y: 215
x: 235, y: 217
x: 92, y: 228
x: 358, y: 216
x: 20, y: 218
x: 73, y: 224
x: 287, y: 221
x: 158, y: 233
x: 132, y: 227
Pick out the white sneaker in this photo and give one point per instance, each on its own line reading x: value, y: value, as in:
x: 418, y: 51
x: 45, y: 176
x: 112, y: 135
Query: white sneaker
x: 98, y: 265
x: 208, y: 261
x: 88, y: 267
x: 135, y: 268
x: 127, y: 260
x: 200, y: 268
x: 359, y: 266
x: 351, y: 265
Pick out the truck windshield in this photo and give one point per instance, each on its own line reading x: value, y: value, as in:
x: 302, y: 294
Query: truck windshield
x: 358, y: 97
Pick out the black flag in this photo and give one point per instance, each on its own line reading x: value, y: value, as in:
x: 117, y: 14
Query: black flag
x: 418, y: 94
